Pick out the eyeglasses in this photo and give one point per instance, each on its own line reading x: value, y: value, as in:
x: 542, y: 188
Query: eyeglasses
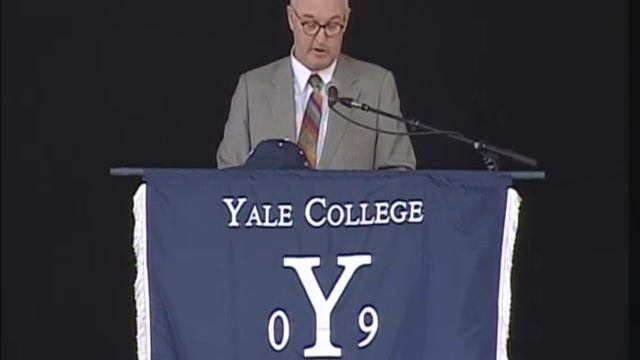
x: 312, y: 27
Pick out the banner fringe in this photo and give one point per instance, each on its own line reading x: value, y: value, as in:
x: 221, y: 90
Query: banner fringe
x: 506, y: 263
x: 141, y: 286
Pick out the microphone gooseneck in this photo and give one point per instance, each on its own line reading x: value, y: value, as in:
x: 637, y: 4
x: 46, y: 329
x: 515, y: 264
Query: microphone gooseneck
x: 488, y: 151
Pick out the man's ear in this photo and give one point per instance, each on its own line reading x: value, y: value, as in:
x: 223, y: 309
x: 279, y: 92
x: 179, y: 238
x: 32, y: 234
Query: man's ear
x: 346, y: 19
x: 290, y: 17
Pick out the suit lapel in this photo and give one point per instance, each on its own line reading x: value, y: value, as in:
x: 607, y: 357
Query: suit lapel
x: 345, y: 80
x: 282, y: 102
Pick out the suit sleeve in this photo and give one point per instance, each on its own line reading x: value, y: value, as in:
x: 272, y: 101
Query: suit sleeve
x: 236, y: 143
x: 392, y: 151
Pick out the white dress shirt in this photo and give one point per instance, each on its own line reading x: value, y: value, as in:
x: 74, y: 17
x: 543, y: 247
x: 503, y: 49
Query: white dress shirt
x: 302, y: 92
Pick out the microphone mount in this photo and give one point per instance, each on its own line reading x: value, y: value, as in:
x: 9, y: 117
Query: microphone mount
x: 490, y: 153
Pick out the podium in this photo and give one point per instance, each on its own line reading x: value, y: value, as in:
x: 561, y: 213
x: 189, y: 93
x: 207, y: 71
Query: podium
x: 302, y: 264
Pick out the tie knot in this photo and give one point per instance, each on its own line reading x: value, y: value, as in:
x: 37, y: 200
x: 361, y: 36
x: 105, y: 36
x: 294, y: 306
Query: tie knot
x: 316, y: 82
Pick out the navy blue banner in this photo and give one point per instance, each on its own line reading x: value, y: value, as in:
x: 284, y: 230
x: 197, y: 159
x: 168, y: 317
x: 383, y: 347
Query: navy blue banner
x: 244, y: 264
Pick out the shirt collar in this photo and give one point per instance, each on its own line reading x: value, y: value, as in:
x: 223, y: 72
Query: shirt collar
x: 301, y: 73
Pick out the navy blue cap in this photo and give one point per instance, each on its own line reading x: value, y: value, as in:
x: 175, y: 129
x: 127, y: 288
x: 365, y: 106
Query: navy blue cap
x: 276, y: 154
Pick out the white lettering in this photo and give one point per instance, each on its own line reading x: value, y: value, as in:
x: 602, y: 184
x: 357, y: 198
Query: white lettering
x: 254, y: 217
x: 275, y: 345
x: 382, y: 213
x: 234, y: 210
x: 350, y: 221
x: 363, y: 215
x: 322, y: 306
x: 285, y: 215
x: 267, y: 215
x: 403, y: 212
x: 370, y: 329
x: 415, y: 211
x: 335, y: 208
x: 319, y: 212
x: 307, y: 211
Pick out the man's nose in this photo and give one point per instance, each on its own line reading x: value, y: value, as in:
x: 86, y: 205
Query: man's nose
x: 321, y: 37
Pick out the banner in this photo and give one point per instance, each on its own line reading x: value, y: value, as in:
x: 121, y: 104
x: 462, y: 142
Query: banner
x: 240, y: 264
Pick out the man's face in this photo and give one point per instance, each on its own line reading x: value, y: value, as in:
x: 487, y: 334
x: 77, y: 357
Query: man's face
x: 317, y: 51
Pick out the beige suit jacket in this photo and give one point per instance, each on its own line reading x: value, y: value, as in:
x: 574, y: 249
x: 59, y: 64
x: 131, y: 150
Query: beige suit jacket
x: 263, y: 106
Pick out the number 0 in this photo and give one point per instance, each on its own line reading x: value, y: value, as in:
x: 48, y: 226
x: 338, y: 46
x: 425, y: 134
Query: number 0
x: 278, y: 314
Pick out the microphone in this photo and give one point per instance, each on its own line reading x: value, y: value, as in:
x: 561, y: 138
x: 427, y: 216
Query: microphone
x: 333, y: 98
x: 332, y: 94
x: 349, y: 102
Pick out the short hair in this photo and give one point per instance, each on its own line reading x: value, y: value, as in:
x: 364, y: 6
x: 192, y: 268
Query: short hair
x: 293, y: 2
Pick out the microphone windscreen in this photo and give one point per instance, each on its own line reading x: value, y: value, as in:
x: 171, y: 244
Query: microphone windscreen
x: 332, y: 93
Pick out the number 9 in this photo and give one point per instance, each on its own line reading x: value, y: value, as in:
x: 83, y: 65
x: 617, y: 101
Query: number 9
x: 370, y: 329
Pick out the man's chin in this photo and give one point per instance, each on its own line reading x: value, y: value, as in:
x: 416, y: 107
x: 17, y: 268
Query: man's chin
x: 320, y: 62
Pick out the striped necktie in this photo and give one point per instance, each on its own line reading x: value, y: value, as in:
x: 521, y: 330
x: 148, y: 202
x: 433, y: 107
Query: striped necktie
x: 309, y: 131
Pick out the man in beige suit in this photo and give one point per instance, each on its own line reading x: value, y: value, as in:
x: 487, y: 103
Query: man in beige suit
x: 287, y: 99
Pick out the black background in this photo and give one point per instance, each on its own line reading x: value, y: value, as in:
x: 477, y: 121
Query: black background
x: 89, y: 85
